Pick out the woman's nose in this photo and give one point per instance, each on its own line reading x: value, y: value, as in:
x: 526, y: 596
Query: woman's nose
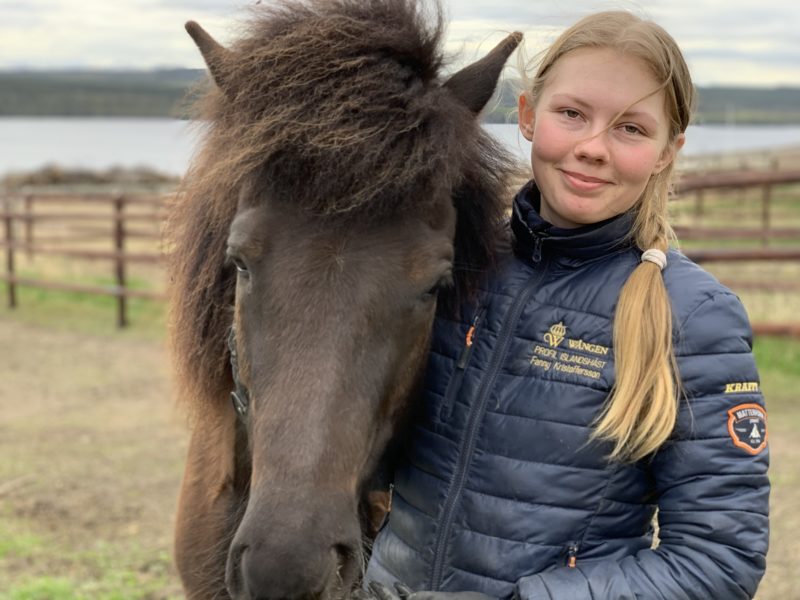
x: 594, y: 148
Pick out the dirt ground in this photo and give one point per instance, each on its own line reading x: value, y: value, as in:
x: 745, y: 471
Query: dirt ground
x: 91, y: 452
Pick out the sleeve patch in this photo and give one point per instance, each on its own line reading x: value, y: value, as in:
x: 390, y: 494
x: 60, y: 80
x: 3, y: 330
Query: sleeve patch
x: 747, y: 426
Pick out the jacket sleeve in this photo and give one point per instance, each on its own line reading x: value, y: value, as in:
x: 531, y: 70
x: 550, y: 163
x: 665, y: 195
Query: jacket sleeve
x: 710, y: 477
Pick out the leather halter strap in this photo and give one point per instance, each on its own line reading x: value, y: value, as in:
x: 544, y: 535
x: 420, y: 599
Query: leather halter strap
x: 239, y: 396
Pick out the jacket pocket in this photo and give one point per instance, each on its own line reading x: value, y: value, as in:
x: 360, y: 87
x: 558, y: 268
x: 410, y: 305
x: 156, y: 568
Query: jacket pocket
x: 453, y: 387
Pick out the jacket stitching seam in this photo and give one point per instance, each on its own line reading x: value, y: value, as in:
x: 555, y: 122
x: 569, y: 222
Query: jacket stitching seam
x: 442, y: 436
x: 541, y: 462
x: 527, y: 502
x: 416, y: 466
x: 474, y: 574
x: 506, y: 539
x: 714, y: 510
x: 604, y: 389
x: 543, y: 420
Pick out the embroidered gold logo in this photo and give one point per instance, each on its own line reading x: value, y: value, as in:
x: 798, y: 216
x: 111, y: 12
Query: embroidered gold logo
x: 556, y: 335
x: 586, y: 347
x: 559, y: 357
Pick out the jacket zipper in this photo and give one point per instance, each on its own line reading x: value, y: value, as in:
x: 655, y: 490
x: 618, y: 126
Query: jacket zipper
x: 473, y: 424
x: 538, y: 241
x: 461, y: 367
x: 572, y: 555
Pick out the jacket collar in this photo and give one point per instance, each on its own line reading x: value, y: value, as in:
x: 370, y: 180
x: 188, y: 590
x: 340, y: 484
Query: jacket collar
x: 535, y: 238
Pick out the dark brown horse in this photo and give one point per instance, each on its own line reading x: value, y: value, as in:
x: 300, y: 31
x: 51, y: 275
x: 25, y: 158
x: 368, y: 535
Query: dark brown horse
x: 341, y: 187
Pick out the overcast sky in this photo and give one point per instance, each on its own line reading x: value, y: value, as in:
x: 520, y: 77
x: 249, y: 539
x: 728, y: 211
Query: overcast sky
x: 742, y: 42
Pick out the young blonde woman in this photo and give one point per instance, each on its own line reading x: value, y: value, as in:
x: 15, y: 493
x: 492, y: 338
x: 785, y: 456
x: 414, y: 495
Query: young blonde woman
x: 600, y: 377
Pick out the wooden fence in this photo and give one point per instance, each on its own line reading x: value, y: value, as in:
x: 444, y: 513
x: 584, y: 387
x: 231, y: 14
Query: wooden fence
x: 765, y: 180
x: 779, y: 244
x: 87, y: 218
x: 132, y: 217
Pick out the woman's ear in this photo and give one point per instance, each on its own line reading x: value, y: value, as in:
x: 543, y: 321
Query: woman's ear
x: 669, y: 153
x: 527, y: 116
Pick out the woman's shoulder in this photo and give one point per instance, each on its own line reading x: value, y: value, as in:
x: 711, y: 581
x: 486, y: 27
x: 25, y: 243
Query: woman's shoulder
x: 706, y: 313
x: 689, y: 285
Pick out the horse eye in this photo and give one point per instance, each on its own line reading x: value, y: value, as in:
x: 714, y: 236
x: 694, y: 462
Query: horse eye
x: 241, y: 268
x: 443, y: 283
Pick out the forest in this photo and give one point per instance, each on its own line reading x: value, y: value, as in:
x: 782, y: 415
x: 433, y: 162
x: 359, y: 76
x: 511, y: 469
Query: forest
x: 168, y: 93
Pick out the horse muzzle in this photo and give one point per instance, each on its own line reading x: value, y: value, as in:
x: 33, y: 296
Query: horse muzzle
x: 292, y: 553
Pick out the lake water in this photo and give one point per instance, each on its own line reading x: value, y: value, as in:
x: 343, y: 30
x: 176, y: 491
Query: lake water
x: 167, y: 145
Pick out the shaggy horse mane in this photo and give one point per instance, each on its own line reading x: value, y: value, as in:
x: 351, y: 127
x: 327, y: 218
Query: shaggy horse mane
x: 336, y: 106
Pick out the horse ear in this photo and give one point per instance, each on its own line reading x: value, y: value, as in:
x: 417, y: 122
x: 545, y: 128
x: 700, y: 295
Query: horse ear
x: 213, y: 52
x: 475, y: 84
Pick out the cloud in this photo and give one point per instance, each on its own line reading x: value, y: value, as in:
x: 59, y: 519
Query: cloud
x: 215, y: 6
x: 737, y: 41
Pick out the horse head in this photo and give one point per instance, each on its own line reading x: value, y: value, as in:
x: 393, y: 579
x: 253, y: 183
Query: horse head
x: 343, y: 186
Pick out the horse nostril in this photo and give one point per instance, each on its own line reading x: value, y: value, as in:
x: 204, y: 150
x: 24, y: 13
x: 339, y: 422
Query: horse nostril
x: 233, y: 570
x: 348, y: 559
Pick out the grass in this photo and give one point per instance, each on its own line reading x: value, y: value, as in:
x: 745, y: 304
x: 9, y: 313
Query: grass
x: 111, y: 582
x: 778, y: 360
x: 21, y: 545
x: 47, y: 565
x: 104, y: 572
x: 86, y: 312
x: 91, y: 452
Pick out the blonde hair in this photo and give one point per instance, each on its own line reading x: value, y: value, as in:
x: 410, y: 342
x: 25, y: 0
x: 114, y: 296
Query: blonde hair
x: 640, y: 413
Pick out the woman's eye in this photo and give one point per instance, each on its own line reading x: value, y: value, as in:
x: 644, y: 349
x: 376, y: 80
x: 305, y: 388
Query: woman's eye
x: 571, y: 114
x: 632, y: 129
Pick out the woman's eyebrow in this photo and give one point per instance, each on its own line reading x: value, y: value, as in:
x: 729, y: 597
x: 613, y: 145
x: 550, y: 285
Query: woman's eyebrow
x: 569, y: 98
x: 640, y: 115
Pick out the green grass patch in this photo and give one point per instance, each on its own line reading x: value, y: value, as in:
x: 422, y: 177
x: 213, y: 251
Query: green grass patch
x: 778, y: 361
x: 119, y: 585
x: 90, y: 313
x: 43, y: 588
x: 107, y: 572
x: 779, y: 355
x: 17, y: 544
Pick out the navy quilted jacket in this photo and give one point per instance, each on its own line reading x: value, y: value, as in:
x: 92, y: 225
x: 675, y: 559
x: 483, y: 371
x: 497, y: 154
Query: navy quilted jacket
x: 500, y: 489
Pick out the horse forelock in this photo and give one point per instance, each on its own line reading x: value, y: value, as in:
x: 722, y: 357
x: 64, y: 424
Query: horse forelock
x: 334, y: 106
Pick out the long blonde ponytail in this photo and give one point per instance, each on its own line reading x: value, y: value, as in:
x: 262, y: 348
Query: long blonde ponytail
x: 640, y: 413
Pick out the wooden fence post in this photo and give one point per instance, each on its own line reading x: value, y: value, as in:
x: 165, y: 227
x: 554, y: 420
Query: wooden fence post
x: 766, y: 201
x: 699, y: 208
x: 743, y: 167
x: 12, y: 286
x: 29, y: 226
x: 119, y: 262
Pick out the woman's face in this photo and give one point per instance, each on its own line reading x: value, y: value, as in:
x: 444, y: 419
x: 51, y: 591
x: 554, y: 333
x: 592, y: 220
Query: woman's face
x: 597, y: 136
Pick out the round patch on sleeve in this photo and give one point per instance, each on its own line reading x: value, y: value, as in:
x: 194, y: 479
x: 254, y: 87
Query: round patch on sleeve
x: 747, y: 425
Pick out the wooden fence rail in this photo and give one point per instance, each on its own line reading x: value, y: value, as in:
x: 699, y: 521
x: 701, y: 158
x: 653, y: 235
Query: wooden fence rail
x: 118, y: 233
x: 120, y: 221
x: 766, y: 180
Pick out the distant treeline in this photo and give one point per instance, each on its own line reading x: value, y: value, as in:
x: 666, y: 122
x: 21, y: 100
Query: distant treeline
x: 167, y: 93
x: 162, y: 93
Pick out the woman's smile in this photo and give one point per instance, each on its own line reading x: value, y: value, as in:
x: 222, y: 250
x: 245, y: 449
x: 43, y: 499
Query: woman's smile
x: 583, y: 183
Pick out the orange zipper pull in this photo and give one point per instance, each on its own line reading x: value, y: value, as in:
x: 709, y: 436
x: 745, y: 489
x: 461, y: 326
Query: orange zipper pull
x: 470, y: 333
x: 470, y: 338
